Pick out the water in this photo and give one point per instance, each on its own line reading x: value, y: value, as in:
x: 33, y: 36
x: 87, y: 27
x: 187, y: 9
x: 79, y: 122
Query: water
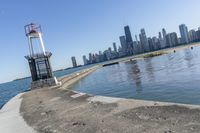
x: 173, y: 77
x: 10, y: 89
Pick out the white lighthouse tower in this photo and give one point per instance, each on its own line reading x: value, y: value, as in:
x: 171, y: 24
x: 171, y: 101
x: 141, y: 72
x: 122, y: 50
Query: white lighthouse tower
x: 39, y: 59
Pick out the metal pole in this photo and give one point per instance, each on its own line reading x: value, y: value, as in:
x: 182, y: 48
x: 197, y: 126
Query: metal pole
x: 42, y: 44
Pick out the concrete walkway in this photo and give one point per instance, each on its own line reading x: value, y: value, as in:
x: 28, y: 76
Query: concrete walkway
x: 65, y: 111
x: 10, y: 119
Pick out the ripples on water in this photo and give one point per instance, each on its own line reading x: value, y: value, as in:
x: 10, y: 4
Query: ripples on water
x: 173, y: 77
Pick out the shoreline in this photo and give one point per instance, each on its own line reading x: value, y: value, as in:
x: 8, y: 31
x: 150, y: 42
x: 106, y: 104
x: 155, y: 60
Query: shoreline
x: 58, y: 109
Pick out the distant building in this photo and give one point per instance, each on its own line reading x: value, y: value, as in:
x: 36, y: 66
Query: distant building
x: 160, y: 36
x: 143, y: 44
x: 128, y: 34
x: 164, y: 38
x: 174, y: 39
x: 184, y: 33
x: 198, y: 35
x: 144, y: 41
x: 156, y: 43
x: 151, y: 45
x: 85, y: 61
x: 136, y: 39
x: 192, y: 35
x: 100, y: 53
x: 110, y: 50
x: 129, y: 40
x: 90, y: 58
x: 108, y: 54
x: 136, y: 46
x: 120, y: 51
x: 168, y: 41
x: 123, y: 44
x: 74, y: 61
x: 114, y: 47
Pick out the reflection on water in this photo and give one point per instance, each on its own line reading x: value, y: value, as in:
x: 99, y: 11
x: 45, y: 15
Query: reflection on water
x: 174, y: 77
x: 149, y: 69
x: 134, y: 74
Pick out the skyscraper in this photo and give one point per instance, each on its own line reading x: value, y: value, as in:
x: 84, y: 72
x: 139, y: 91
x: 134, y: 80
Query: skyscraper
x: 136, y: 39
x: 164, y: 38
x: 156, y: 44
x: 174, y: 39
x: 151, y: 44
x: 74, y: 61
x: 141, y: 44
x: 160, y: 36
x: 85, y: 60
x: 192, y: 35
x: 184, y: 33
x: 198, y: 35
x: 123, y: 44
x: 90, y: 58
x: 114, y: 47
x: 110, y: 50
x: 168, y: 41
x: 164, y: 32
x: 128, y: 34
x: 129, y: 40
x: 144, y: 40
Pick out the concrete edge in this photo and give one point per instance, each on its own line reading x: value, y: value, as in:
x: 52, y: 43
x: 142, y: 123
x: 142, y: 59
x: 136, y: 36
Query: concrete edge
x: 11, y: 120
x: 135, y: 102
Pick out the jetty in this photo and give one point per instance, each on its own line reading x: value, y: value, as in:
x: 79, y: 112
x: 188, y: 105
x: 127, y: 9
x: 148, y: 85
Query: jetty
x: 59, y: 110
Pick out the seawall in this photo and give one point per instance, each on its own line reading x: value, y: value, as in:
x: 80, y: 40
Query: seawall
x: 59, y: 110
x: 10, y: 119
x: 71, y: 79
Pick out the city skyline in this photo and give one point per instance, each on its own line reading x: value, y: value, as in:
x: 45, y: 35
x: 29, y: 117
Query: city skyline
x: 79, y: 27
x: 129, y: 46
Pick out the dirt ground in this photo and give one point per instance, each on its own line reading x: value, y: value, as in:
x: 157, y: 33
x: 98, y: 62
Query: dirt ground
x: 64, y: 111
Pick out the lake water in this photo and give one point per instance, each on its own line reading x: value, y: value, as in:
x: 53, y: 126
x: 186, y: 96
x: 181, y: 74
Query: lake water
x: 172, y: 77
x: 10, y: 89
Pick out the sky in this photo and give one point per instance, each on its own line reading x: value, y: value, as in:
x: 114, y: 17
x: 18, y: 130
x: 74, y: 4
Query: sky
x: 78, y: 27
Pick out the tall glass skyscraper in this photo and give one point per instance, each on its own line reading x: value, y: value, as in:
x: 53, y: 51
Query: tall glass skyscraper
x: 164, y: 38
x: 184, y: 33
x: 144, y: 40
x: 123, y: 44
x: 74, y: 61
x: 128, y: 34
x: 114, y: 47
x: 129, y: 40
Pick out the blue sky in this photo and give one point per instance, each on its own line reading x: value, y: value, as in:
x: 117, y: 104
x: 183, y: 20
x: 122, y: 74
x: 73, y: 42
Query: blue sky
x: 77, y: 27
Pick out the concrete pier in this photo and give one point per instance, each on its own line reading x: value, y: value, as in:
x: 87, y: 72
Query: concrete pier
x: 60, y: 110
x: 65, y: 111
x: 10, y: 119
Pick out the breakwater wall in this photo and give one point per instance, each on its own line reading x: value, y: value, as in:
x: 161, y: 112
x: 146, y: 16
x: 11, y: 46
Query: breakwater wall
x: 60, y: 110
x: 70, y: 79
